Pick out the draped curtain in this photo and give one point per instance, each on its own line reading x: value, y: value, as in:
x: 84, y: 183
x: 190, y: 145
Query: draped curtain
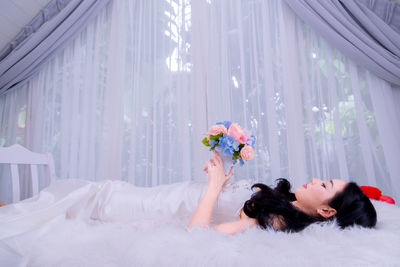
x: 132, y: 96
x: 47, y: 33
x: 367, y: 31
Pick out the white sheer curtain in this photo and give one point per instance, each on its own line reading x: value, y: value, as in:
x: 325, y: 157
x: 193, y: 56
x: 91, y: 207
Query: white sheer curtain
x: 132, y: 96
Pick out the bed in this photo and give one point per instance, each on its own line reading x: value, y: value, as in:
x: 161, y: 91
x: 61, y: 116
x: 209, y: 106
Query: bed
x: 52, y: 228
x: 159, y: 241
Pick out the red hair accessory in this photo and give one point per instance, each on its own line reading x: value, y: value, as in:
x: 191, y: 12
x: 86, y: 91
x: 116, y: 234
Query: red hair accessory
x: 375, y: 193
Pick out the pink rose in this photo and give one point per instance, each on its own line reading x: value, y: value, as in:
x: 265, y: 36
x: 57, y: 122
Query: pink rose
x: 237, y: 132
x: 247, y: 152
x: 217, y: 129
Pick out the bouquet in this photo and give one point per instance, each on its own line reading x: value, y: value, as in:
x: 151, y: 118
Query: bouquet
x: 232, y: 141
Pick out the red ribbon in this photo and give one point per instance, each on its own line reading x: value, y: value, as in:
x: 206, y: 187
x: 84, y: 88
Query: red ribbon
x: 375, y: 193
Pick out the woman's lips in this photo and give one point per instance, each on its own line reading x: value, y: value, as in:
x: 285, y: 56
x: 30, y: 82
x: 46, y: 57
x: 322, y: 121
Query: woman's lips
x: 305, y: 186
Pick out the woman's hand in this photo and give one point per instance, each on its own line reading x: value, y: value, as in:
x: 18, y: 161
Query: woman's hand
x: 216, y: 172
x: 216, y: 180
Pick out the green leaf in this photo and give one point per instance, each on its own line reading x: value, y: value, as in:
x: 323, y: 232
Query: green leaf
x: 205, y: 141
x: 215, y: 137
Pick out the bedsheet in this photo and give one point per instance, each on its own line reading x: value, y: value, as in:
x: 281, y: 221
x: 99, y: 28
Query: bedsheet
x: 112, y: 223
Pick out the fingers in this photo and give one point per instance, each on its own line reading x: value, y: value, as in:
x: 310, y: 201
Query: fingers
x: 217, y: 156
x: 206, y: 167
x: 209, y: 165
x: 214, y: 161
x: 230, y: 173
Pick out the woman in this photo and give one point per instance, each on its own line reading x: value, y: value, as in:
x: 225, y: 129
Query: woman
x: 280, y: 209
x: 119, y: 201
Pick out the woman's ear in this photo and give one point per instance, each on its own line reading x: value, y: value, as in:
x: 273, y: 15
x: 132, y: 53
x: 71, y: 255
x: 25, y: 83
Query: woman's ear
x: 326, y: 212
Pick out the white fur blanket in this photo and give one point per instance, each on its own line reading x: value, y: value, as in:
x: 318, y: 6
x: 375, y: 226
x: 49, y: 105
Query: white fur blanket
x: 166, y: 242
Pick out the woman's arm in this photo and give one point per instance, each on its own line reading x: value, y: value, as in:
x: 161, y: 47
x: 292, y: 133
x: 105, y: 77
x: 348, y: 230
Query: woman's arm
x: 202, y: 214
x: 236, y: 226
x: 216, y: 179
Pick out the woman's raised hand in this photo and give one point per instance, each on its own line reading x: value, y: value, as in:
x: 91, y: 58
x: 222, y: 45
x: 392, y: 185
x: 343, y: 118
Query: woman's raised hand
x: 216, y: 172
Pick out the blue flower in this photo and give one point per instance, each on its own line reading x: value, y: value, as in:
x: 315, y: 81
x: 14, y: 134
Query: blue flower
x: 226, y: 140
x: 212, y: 142
x: 251, y: 141
x: 225, y: 151
x: 226, y: 144
x: 227, y: 124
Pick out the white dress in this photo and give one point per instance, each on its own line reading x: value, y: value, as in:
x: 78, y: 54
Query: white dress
x: 119, y: 201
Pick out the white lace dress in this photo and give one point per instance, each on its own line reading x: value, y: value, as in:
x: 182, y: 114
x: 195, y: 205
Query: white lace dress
x: 119, y: 201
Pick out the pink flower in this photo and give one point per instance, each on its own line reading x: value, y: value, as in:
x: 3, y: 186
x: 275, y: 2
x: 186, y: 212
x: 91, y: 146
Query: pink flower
x: 237, y: 132
x: 247, y: 152
x: 217, y: 129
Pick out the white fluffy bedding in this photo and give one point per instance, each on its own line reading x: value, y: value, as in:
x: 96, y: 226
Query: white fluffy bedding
x: 154, y: 242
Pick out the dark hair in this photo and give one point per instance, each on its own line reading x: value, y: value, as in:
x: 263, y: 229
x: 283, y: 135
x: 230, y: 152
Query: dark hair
x: 352, y: 206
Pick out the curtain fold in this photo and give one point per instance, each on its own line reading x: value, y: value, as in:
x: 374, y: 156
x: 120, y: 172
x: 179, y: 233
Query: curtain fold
x: 53, y: 28
x: 52, y: 9
x: 133, y: 94
x: 366, y: 31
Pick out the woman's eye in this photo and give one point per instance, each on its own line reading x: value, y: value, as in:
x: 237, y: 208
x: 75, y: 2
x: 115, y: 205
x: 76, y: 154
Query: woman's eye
x: 323, y: 185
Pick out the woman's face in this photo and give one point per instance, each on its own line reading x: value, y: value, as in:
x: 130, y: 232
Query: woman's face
x: 315, y: 195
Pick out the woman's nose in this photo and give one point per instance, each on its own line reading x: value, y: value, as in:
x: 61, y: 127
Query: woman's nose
x: 314, y: 180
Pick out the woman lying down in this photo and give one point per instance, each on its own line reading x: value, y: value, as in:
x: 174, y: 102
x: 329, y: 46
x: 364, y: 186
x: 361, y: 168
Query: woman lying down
x: 280, y: 209
x: 224, y: 207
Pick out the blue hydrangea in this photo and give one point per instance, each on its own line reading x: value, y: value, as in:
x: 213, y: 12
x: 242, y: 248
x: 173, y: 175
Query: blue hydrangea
x: 227, y: 124
x: 252, y: 140
x: 227, y: 145
x: 212, y: 142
